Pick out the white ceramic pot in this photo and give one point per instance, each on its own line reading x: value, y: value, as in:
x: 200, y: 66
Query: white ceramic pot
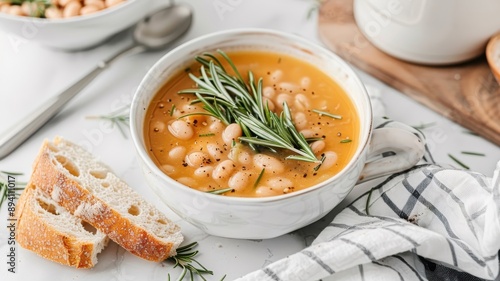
x: 74, y: 33
x: 429, y: 32
x: 270, y: 216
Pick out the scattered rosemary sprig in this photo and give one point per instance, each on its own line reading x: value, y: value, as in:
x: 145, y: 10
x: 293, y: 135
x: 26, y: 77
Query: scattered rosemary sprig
x: 473, y: 153
x: 4, y: 186
x: 185, y: 260
x: 424, y: 125
x: 261, y: 174
x: 207, y: 135
x: 458, y: 162
x: 346, y: 141
x: 219, y: 191
x: 119, y: 118
x: 314, y: 8
x: 232, y: 100
x: 470, y: 133
x: 334, y: 116
x: 172, y: 110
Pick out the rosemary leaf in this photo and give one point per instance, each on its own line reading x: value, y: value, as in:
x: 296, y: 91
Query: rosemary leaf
x: 473, y: 153
x: 424, y: 125
x: 458, y: 162
x: 346, y: 141
x: 259, y: 177
x: 334, y: 116
x: 172, y: 110
x: 207, y: 135
x: 219, y: 191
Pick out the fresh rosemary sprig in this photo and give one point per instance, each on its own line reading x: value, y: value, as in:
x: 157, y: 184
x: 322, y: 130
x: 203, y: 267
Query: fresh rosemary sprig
x: 4, y: 186
x: 232, y: 100
x: 119, y: 118
x: 185, y: 260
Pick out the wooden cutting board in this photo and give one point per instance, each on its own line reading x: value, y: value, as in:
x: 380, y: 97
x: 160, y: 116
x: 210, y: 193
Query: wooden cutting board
x: 466, y: 93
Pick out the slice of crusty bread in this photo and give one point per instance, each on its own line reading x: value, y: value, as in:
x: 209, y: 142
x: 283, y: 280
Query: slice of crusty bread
x: 89, y: 190
x: 49, y: 230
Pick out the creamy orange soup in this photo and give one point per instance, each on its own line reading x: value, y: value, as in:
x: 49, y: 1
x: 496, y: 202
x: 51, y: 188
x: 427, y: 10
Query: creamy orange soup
x: 205, y: 154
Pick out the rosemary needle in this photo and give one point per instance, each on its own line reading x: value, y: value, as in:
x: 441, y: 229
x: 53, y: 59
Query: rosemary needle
x: 261, y: 174
x: 473, y: 153
x: 346, y: 141
x: 334, y: 116
x: 219, y: 191
x: 458, y: 162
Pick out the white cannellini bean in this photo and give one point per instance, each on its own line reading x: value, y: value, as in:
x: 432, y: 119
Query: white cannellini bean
x: 159, y: 126
x: 181, y: 130
x: 72, y: 9
x: 305, y: 82
x: 5, y: 8
x: 63, y: 3
x: 300, y: 120
x: 203, y: 172
x: 177, y: 153
x: 197, y: 159
x: 187, y: 181
x: 265, y: 191
x: 308, y: 133
x: 279, y: 183
x: 89, y: 9
x: 223, y: 170
x: 276, y: 75
x: 232, y: 132
x: 238, y: 181
x: 110, y: 3
x: 53, y: 13
x: 268, y: 92
x: 271, y: 164
x: 302, y: 102
x: 318, y: 146
x: 216, y: 127
x: 330, y: 160
x: 15, y: 10
x: 168, y: 169
x: 244, y: 158
x: 281, y: 98
x: 287, y: 87
x: 215, y: 151
x: 98, y: 3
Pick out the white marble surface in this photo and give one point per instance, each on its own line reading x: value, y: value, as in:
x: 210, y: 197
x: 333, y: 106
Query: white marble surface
x: 30, y: 73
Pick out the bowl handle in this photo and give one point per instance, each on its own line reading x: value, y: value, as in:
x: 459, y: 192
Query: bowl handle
x: 391, y: 150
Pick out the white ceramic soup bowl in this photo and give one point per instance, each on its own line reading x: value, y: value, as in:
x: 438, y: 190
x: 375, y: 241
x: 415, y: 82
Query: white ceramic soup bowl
x: 75, y: 33
x: 259, y: 218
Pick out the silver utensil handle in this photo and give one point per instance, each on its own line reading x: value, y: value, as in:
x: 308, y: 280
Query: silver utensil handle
x: 21, y: 131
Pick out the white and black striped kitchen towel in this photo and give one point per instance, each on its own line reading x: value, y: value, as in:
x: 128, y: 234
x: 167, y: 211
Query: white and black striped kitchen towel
x: 403, y: 227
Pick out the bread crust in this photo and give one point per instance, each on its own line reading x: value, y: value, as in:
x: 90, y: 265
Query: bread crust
x: 88, y: 207
x: 35, y: 234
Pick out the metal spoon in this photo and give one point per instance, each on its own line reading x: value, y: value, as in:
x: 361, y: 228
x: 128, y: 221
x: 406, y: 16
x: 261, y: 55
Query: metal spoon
x: 152, y: 33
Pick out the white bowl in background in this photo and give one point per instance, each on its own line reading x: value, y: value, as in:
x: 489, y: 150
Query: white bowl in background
x: 267, y: 217
x: 79, y: 32
x: 429, y: 32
